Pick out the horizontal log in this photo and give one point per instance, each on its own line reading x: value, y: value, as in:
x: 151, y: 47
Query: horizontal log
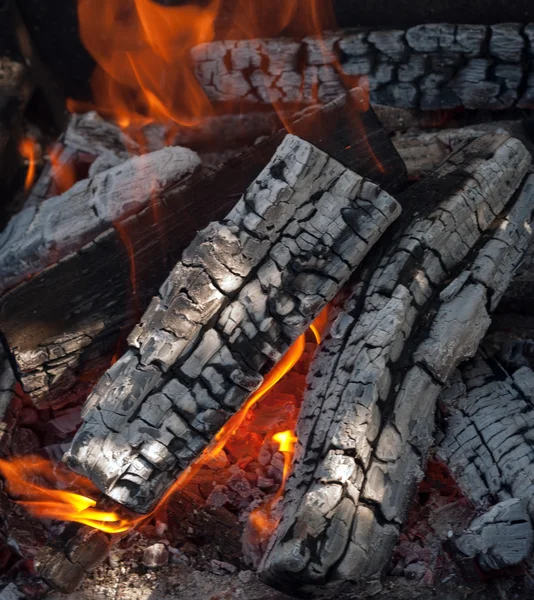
x: 430, y: 67
x: 500, y: 538
x: 367, y: 418
x: 41, y: 235
x: 245, y: 289
x: 69, y: 318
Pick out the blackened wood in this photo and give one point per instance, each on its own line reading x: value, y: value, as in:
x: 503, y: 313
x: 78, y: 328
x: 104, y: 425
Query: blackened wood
x: 69, y: 317
x: 367, y: 418
x: 242, y: 293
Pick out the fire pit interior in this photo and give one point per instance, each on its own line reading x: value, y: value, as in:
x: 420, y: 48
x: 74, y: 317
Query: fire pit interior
x: 266, y: 289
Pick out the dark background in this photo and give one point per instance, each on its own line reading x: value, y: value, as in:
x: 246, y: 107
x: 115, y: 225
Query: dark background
x: 53, y: 25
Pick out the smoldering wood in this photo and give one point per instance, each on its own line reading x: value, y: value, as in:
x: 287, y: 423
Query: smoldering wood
x: 423, y: 151
x: 41, y: 235
x: 66, y: 564
x: 70, y: 318
x: 243, y: 292
x: 500, y: 538
x: 429, y: 67
x: 367, y: 418
x: 487, y: 443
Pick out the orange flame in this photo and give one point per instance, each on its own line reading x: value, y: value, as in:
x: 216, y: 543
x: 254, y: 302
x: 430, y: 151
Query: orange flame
x: 28, y: 150
x: 21, y: 473
x: 41, y: 501
x: 142, y: 50
x: 62, y: 171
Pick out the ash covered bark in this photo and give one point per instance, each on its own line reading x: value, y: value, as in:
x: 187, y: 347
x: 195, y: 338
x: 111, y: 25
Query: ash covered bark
x: 433, y: 66
x: 500, y: 538
x: 489, y: 429
x: 244, y: 290
x: 367, y: 419
x: 43, y: 234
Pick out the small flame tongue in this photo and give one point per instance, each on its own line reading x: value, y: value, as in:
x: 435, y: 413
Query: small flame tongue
x: 25, y: 474
x: 144, y: 69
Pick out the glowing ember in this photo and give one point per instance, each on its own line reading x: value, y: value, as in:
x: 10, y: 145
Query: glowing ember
x: 25, y: 474
x: 28, y: 150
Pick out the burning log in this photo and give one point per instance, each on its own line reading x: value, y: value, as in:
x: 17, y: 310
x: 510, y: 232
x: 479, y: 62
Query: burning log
x: 367, y: 420
x: 68, y: 318
x: 40, y: 235
x: 436, y: 66
x: 244, y: 291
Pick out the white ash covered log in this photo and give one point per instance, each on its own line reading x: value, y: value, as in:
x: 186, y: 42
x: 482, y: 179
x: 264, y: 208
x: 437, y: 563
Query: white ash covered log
x: 41, y: 235
x: 244, y: 290
x: 367, y: 419
x: 488, y: 438
x: 430, y: 67
x: 499, y: 538
x: 68, y: 320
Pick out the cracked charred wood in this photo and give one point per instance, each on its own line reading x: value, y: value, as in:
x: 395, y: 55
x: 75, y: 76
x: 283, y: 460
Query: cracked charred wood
x: 367, y: 418
x: 488, y: 438
x: 244, y: 290
x: 63, y: 326
x: 434, y: 66
x: 500, y: 538
x: 41, y: 235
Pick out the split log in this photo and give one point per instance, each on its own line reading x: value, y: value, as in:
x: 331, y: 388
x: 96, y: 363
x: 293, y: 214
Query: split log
x: 490, y: 424
x: 501, y: 538
x: 244, y: 290
x: 430, y: 67
x: 67, y: 319
x: 367, y: 419
x: 41, y: 235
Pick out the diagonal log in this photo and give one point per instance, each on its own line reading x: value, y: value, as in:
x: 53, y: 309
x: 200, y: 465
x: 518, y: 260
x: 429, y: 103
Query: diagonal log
x: 245, y: 289
x: 367, y: 419
x: 63, y: 325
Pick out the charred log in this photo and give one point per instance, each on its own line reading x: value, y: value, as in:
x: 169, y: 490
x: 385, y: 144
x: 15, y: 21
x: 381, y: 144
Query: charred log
x: 430, y: 67
x: 487, y: 444
x: 41, y: 235
x: 367, y: 420
x: 244, y: 290
x: 70, y: 317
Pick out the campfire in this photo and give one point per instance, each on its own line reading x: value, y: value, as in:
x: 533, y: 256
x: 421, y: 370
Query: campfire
x: 265, y: 305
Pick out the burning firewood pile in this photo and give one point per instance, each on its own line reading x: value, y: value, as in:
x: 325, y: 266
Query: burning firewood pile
x: 266, y: 309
